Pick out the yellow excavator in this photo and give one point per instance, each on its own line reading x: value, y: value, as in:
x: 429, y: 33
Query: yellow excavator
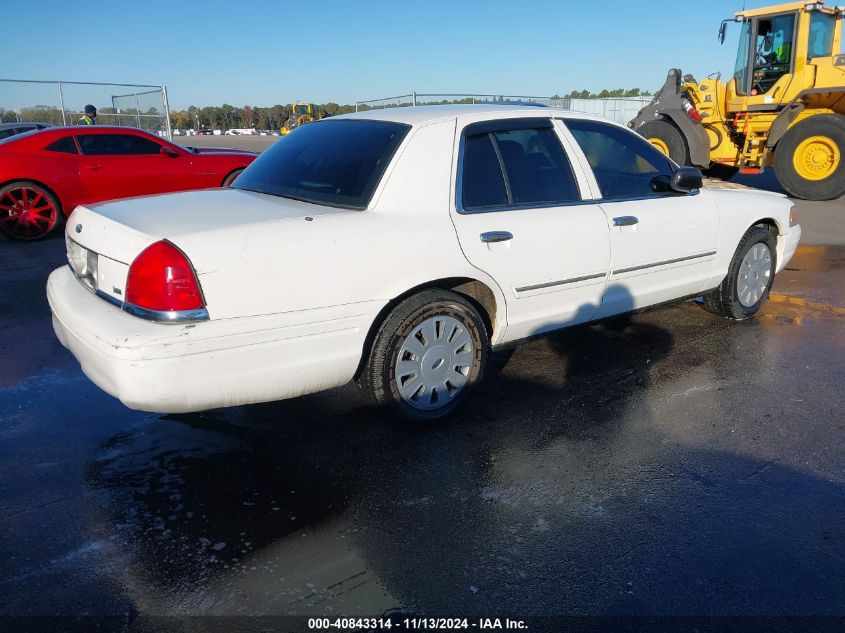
x: 301, y: 113
x: 783, y: 107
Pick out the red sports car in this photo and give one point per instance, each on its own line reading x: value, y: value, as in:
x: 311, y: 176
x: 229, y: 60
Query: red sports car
x: 45, y: 174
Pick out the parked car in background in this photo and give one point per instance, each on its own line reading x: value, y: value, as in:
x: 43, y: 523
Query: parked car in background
x: 10, y: 129
x: 399, y: 247
x: 241, y: 132
x: 45, y: 174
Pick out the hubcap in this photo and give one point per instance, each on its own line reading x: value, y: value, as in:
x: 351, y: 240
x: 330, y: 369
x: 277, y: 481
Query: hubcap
x: 434, y: 363
x: 816, y: 158
x: 754, y: 274
x: 26, y: 213
x: 659, y: 144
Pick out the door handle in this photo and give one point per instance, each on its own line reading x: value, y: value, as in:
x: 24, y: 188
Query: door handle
x: 625, y: 220
x: 496, y: 236
x: 93, y: 167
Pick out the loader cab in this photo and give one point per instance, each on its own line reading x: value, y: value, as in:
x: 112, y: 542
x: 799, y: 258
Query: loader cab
x: 766, y: 56
x: 780, y: 49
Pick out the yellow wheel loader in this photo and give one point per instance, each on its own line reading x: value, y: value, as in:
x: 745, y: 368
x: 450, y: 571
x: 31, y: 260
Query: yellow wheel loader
x: 784, y: 106
x: 301, y: 113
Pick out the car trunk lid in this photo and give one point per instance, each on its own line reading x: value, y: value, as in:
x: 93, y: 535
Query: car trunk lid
x: 104, y: 239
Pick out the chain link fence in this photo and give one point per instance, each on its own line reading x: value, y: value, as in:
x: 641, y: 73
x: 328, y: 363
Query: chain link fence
x: 63, y: 103
x: 621, y: 109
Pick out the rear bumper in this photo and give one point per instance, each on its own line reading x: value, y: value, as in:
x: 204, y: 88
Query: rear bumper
x: 170, y: 368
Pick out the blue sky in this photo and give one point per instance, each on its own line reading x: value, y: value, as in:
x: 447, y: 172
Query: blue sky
x: 261, y: 53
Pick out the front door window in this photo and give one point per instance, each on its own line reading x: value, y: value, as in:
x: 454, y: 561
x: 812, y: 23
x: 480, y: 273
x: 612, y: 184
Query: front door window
x: 773, y: 44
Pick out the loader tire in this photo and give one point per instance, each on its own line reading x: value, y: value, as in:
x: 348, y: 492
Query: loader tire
x: 810, y: 159
x: 668, y: 139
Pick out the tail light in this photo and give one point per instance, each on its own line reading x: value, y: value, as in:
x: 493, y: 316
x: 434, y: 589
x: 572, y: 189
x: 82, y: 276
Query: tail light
x: 162, y: 279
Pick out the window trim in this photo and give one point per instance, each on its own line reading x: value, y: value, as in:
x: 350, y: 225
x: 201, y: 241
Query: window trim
x: 591, y: 173
x: 507, y: 125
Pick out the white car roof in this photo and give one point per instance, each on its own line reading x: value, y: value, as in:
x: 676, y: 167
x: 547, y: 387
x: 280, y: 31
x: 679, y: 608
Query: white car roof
x: 420, y: 115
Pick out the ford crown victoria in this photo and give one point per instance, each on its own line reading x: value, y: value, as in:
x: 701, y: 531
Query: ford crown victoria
x: 398, y: 248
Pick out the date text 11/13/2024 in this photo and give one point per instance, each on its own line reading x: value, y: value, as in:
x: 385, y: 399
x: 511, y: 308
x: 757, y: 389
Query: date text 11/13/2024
x: 415, y: 624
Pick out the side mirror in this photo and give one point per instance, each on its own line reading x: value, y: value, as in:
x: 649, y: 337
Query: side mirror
x: 169, y: 152
x: 687, y: 179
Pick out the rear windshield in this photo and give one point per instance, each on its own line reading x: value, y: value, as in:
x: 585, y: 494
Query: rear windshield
x: 336, y: 163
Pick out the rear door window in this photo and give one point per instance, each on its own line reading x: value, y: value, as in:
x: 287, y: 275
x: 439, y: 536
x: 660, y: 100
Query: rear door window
x: 625, y: 164
x: 515, y: 167
x: 822, y: 29
x: 117, y: 145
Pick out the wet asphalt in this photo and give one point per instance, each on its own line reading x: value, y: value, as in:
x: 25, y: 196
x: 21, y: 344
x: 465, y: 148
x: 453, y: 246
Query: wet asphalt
x: 668, y: 464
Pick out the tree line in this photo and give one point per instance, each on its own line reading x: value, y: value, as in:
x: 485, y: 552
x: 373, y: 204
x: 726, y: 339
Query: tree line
x: 274, y: 117
x: 262, y: 118
x: 607, y: 94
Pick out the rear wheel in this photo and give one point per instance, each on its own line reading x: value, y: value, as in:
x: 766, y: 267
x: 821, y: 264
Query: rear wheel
x: 27, y: 211
x: 228, y: 180
x: 746, y: 287
x: 668, y: 139
x: 427, y: 355
x: 809, y: 160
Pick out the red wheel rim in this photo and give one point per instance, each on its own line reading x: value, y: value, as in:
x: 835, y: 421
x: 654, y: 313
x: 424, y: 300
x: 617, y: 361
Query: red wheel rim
x: 27, y: 213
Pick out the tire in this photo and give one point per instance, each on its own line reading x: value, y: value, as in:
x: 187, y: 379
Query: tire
x: 415, y: 396
x: 810, y: 159
x: 228, y: 180
x: 746, y: 287
x: 720, y: 172
x: 668, y: 139
x: 28, y: 211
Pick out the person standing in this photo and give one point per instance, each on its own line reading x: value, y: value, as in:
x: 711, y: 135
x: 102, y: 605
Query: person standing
x: 89, y: 118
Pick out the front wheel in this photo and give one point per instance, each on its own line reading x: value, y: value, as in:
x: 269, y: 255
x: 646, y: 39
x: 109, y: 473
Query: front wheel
x: 746, y: 287
x: 27, y: 211
x: 427, y: 355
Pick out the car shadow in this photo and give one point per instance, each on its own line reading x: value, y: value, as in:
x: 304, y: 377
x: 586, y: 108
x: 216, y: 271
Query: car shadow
x: 558, y: 489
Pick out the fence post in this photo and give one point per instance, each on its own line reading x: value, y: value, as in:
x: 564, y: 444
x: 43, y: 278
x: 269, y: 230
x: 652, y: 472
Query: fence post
x: 116, y: 109
x: 137, y: 111
x: 62, y: 104
x: 166, y: 113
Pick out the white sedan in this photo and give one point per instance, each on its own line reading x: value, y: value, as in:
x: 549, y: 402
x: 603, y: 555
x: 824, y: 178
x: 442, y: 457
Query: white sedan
x: 398, y: 248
